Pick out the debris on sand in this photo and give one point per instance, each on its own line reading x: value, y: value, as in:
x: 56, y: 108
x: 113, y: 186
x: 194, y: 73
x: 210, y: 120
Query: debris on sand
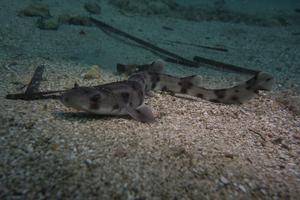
x: 36, y: 10
x: 93, y: 73
x: 48, y: 23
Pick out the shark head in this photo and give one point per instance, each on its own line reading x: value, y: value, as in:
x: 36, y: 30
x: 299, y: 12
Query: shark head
x: 118, y: 100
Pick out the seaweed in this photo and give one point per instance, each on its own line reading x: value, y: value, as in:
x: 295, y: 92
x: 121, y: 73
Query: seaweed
x: 174, y: 58
x: 165, y: 54
x: 101, y: 25
x: 32, y: 91
x: 226, y: 66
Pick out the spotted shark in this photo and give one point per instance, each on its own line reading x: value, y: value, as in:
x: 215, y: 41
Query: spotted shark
x: 127, y: 97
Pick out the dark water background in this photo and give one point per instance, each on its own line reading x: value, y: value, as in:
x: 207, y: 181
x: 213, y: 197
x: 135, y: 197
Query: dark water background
x: 261, y: 35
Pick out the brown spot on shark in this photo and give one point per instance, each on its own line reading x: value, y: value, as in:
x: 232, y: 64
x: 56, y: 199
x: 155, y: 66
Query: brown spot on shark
x: 220, y: 93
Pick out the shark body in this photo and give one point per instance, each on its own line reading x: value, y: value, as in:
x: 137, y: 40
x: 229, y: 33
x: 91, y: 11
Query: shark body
x: 127, y: 97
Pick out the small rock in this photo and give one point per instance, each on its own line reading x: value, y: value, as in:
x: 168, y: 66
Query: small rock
x: 294, y: 104
x: 75, y: 20
x: 82, y: 32
x: 290, y: 100
x: 48, y: 24
x: 178, y: 150
x: 285, y: 146
x: 283, y: 156
x: 277, y: 141
x: 229, y: 155
x: 251, y: 184
x: 242, y: 188
x: 263, y: 191
x: 92, y: 73
x: 29, y: 125
x: 120, y: 152
x: 224, y: 180
x: 36, y: 10
x: 88, y: 162
x: 93, y: 8
x: 54, y: 147
x: 29, y: 148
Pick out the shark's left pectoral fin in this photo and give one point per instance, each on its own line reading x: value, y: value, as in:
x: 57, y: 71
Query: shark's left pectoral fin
x: 142, y: 113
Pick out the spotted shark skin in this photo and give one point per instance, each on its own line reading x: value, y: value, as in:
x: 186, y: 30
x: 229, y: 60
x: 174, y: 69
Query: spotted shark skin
x: 127, y: 97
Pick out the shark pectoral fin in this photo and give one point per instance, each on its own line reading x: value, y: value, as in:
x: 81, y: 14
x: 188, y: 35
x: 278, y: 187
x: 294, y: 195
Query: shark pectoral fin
x: 150, y: 94
x: 142, y: 113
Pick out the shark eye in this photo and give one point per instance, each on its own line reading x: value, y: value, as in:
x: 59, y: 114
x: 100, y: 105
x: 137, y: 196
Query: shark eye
x: 95, y: 98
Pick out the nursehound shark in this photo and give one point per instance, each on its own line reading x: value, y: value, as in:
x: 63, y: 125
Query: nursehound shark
x: 127, y: 97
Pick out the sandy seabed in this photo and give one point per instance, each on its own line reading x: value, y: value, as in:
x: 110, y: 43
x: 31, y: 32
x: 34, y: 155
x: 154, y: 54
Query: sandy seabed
x: 194, y: 150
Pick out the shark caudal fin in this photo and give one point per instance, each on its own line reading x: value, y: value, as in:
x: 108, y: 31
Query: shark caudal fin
x: 242, y: 92
x: 234, y: 95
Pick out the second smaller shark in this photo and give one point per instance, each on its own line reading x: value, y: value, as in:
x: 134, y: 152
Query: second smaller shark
x: 127, y: 97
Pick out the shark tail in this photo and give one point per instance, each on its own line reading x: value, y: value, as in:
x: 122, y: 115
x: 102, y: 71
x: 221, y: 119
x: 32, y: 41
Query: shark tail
x: 233, y: 95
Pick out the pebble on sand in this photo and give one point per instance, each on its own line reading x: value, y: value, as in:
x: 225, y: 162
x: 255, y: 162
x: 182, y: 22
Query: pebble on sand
x: 48, y: 23
x: 93, y: 73
x: 36, y: 10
